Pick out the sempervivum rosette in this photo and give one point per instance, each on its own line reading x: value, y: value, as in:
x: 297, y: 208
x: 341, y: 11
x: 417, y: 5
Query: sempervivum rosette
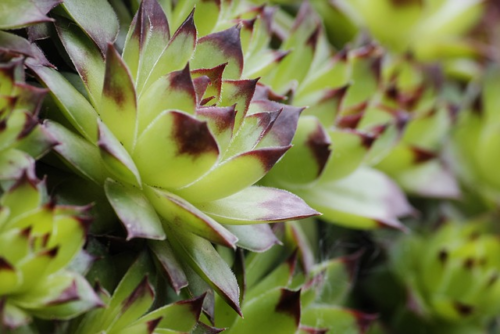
x: 38, y: 240
x: 176, y: 146
x: 476, y: 139
x: 288, y: 292
x: 451, y: 276
x: 418, y: 93
x: 21, y: 137
x: 343, y: 130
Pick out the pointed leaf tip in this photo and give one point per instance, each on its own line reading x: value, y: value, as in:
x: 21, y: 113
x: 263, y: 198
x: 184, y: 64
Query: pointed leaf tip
x: 289, y: 303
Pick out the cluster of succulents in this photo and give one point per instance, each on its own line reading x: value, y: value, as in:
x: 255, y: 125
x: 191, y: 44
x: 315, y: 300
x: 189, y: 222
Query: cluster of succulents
x: 237, y: 166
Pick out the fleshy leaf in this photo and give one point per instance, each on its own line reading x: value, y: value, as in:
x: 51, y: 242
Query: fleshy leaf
x: 177, y: 92
x: 309, y: 155
x: 365, y: 199
x: 284, y: 127
x: 170, y: 264
x: 118, y: 108
x: 116, y: 159
x: 220, y: 121
x: 85, y: 55
x: 77, y: 152
x: 256, y: 238
x: 239, y: 92
x: 258, y: 204
x: 146, y: 39
x: 336, y: 319
x: 134, y: 210
x: 218, y: 48
x: 175, y: 150
x: 278, y: 308
x: 207, y: 263
x: 233, y: 175
x: 181, y: 214
x: 97, y: 18
x: 181, y: 316
x: 176, y: 54
x: 72, y: 104
x: 16, y: 14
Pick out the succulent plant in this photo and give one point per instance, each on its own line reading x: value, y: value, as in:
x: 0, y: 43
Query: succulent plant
x: 430, y: 29
x: 288, y: 292
x: 476, y: 138
x: 135, y: 306
x: 452, y: 276
x: 21, y: 137
x: 418, y: 94
x: 343, y: 130
x: 38, y: 242
x: 176, y: 146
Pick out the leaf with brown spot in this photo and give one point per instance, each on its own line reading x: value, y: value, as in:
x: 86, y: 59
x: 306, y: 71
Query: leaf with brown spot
x: 220, y: 121
x: 239, y: 93
x: 177, y: 92
x: 176, y: 54
x: 118, y: 106
x: 307, y: 158
x: 175, y: 150
x: 279, y: 309
x: 215, y: 75
x: 219, y: 48
x: 284, y: 127
x: 232, y: 175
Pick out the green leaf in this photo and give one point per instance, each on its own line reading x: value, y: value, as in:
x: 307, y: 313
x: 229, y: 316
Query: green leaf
x: 365, y: 199
x: 77, y: 152
x: 180, y: 214
x: 181, y: 316
x: 175, y: 150
x: 177, y: 91
x: 309, y: 155
x: 77, y: 110
x: 336, y: 319
x: 97, y: 18
x: 279, y: 309
x: 17, y: 14
x: 257, y: 204
x: 232, y: 175
x: 207, y: 263
x: 116, y: 158
x: 219, y: 48
x: 256, y: 238
x: 85, y: 55
x: 146, y: 39
x: 176, y: 54
x: 170, y: 264
x: 118, y: 108
x: 134, y: 210
x: 13, y: 163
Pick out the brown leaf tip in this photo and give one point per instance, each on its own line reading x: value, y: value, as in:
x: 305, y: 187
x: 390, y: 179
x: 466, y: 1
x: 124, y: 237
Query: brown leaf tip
x: 5, y: 265
x: 192, y: 136
x: 421, y: 155
x: 269, y: 156
x: 152, y: 324
x: 463, y: 309
x: 289, y: 303
x: 443, y: 256
x: 142, y: 289
x: 363, y: 320
x: 319, y: 144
